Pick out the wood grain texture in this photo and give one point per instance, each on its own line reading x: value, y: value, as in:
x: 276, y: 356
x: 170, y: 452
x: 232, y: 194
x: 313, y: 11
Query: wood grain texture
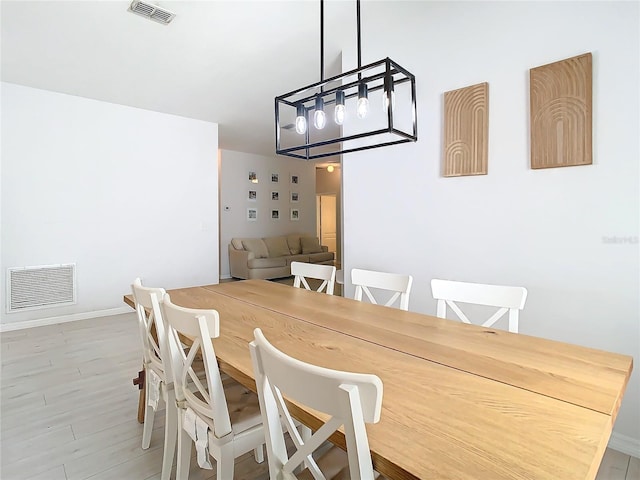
x: 587, y: 377
x: 466, y: 131
x: 438, y: 421
x: 561, y: 113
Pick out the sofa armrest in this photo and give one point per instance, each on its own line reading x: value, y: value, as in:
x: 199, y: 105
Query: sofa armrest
x: 239, y: 262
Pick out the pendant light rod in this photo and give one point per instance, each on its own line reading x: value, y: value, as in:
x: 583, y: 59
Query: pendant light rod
x: 359, y: 36
x: 322, y: 40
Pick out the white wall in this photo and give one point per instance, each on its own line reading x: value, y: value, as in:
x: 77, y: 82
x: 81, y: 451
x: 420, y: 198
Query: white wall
x: 76, y: 172
x: 234, y: 188
x: 544, y: 229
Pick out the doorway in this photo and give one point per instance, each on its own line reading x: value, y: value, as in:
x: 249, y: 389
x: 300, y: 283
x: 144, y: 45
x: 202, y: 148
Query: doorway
x: 326, y: 215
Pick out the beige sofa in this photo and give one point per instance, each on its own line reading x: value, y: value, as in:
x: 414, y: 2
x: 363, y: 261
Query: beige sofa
x: 271, y: 257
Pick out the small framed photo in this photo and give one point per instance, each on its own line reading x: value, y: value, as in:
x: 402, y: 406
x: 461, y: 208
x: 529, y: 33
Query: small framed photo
x: 275, y: 214
x: 253, y: 177
x: 275, y: 178
x: 252, y: 214
x: 275, y: 196
x: 294, y: 179
x: 253, y: 196
x: 295, y: 214
x: 294, y: 197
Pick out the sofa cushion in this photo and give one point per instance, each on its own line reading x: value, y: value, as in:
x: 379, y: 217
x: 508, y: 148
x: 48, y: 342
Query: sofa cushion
x: 320, y: 257
x: 297, y: 258
x: 237, y: 243
x: 277, y: 246
x: 267, y: 262
x: 310, y: 245
x: 294, y: 244
x: 257, y: 246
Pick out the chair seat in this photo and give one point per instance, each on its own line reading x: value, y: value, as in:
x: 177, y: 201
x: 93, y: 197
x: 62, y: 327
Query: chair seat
x: 243, y: 404
x: 334, y: 464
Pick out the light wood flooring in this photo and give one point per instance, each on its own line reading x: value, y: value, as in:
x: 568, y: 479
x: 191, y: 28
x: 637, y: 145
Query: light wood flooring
x: 68, y: 408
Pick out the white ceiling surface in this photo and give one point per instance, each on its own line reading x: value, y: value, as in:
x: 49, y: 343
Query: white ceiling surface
x: 219, y: 61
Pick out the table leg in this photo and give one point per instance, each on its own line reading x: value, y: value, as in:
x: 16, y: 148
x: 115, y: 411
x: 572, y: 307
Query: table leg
x: 142, y: 386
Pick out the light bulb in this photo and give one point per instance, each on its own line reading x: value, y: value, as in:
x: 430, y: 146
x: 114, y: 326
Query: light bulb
x: 301, y: 120
x: 385, y: 101
x: 319, y: 117
x: 301, y: 125
x: 339, y: 112
x: 388, y: 92
x: 330, y: 169
x: 363, y: 107
x: 363, y: 101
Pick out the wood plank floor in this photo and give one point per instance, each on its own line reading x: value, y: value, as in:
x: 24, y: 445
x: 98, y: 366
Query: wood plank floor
x: 68, y: 408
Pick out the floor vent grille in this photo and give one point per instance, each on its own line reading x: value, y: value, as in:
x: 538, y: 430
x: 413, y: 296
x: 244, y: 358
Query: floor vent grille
x: 31, y: 288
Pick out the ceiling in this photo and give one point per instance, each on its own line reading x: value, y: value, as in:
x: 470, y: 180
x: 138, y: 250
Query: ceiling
x: 219, y: 61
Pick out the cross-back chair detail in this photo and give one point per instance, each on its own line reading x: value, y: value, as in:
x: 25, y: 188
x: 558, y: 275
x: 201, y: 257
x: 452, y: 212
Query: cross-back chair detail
x: 505, y: 298
x: 351, y: 399
x: 204, y: 417
x: 158, y: 373
x: 400, y: 284
x: 302, y: 271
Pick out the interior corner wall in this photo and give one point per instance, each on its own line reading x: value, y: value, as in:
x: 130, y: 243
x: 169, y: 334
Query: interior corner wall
x: 234, y: 198
x: 119, y: 191
x: 569, y: 235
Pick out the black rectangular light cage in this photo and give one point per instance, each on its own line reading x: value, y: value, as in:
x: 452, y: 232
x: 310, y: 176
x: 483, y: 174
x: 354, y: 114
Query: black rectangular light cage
x: 391, y: 118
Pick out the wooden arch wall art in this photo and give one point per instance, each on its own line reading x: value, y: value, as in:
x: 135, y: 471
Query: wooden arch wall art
x: 561, y: 113
x: 466, y: 131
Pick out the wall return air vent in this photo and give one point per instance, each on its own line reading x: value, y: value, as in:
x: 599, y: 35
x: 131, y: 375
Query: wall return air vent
x: 46, y: 286
x: 152, y: 12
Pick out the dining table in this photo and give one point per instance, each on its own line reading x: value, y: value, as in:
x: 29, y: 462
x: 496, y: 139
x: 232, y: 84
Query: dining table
x: 460, y: 402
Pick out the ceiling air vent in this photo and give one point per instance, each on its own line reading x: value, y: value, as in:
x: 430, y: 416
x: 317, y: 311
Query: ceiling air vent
x: 152, y: 12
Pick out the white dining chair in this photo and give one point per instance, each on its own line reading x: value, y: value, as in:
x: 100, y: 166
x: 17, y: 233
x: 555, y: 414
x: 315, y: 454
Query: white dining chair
x: 220, y: 416
x: 349, y: 399
x: 505, y: 298
x: 399, y: 284
x: 302, y: 271
x: 157, y: 372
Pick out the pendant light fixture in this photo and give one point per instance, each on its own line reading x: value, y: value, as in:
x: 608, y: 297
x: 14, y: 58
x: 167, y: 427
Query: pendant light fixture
x: 354, y: 126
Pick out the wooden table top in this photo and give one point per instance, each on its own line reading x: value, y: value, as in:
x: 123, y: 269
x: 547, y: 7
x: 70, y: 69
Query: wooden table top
x: 438, y: 420
x: 584, y: 376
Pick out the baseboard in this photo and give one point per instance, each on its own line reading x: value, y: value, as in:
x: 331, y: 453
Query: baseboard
x: 624, y: 444
x: 41, y: 322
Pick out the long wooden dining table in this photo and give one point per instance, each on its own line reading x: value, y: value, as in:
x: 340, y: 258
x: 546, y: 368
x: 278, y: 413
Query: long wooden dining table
x: 460, y: 402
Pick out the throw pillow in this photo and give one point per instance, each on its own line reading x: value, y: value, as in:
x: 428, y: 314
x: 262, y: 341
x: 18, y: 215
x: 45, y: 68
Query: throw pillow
x: 294, y: 244
x: 257, y: 246
x: 310, y: 245
x: 277, y: 246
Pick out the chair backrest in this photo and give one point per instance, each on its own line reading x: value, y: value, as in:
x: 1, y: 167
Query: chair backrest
x: 505, y: 298
x: 302, y: 271
x: 350, y: 399
x: 200, y: 326
x: 364, y: 280
x: 154, y: 348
